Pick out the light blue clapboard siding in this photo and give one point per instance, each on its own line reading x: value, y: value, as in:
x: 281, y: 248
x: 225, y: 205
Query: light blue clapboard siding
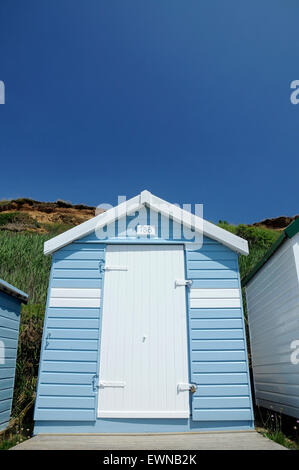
x: 7, y: 372
x: 215, y: 314
x: 64, y: 414
x: 221, y: 402
x: 67, y: 378
x: 6, y: 394
x: 70, y: 366
x: 222, y: 391
x: 83, y: 313
x: 218, y: 415
x: 9, y: 333
x: 76, y: 283
x: 76, y: 274
x: 218, y: 366
x: 216, y: 323
x: 217, y: 278
x: 220, y: 379
x: 74, y: 334
x: 217, y: 341
x: 7, y: 383
x: 77, y: 264
x: 65, y: 390
x: 217, y: 356
x: 201, y: 334
x: 73, y: 322
x: 10, y: 309
x: 70, y: 355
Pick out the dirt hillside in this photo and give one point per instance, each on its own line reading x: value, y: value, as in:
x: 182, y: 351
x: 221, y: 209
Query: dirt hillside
x: 277, y: 223
x: 27, y: 214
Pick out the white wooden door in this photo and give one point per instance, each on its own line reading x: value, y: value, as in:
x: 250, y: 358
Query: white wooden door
x: 143, y: 347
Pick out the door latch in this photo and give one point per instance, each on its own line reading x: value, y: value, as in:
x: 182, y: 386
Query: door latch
x: 183, y: 282
x: 187, y: 387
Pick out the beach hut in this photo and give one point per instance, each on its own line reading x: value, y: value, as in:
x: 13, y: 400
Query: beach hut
x: 272, y: 293
x: 10, y: 310
x: 144, y: 327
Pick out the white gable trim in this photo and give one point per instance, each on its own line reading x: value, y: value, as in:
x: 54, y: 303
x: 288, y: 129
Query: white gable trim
x: 145, y: 198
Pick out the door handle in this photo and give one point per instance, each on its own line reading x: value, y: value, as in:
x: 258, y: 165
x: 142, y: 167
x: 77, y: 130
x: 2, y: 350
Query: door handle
x: 183, y: 282
x: 182, y: 387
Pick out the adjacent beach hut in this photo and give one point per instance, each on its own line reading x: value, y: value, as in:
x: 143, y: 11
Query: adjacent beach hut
x: 144, y: 327
x: 272, y: 293
x: 10, y: 310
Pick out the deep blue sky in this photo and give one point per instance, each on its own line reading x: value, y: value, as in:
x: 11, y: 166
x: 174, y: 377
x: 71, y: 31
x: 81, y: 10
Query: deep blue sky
x: 189, y: 99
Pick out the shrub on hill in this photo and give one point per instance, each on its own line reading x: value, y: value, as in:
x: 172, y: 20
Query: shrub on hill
x: 259, y: 241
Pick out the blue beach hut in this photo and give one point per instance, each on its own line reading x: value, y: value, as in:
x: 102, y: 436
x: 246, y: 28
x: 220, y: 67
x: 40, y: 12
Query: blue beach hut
x: 10, y: 311
x: 144, y: 328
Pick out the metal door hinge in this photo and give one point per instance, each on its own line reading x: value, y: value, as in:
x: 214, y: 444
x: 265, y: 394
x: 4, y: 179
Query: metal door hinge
x: 47, y: 340
x: 183, y: 282
x: 94, y: 383
x: 187, y: 387
x: 101, y: 265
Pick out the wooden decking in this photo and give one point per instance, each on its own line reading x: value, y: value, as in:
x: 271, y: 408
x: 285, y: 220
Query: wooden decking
x: 243, y: 440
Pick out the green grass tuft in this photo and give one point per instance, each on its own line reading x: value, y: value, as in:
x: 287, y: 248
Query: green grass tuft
x: 23, y: 264
x: 280, y: 438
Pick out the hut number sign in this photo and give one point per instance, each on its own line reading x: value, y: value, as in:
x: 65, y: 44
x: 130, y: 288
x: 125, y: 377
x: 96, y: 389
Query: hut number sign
x: 145, y: 230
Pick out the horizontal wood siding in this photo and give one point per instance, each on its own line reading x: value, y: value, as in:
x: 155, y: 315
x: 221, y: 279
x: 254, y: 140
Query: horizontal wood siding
x: 218, y: 354
x: 273, y: 315
x: 9, y: 331
x: 70, y: 348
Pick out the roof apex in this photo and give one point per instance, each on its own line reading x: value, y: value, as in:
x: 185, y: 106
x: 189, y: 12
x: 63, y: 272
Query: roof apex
x: 146, y: 198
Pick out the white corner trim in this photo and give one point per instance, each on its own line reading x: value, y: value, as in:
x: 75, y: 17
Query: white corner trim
x: 165, y: 208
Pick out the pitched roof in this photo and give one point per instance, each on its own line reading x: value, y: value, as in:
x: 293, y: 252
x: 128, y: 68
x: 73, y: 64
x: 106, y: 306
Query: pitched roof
x: 13, y: 291
x: 289, y: 232
x: 145, y: 198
